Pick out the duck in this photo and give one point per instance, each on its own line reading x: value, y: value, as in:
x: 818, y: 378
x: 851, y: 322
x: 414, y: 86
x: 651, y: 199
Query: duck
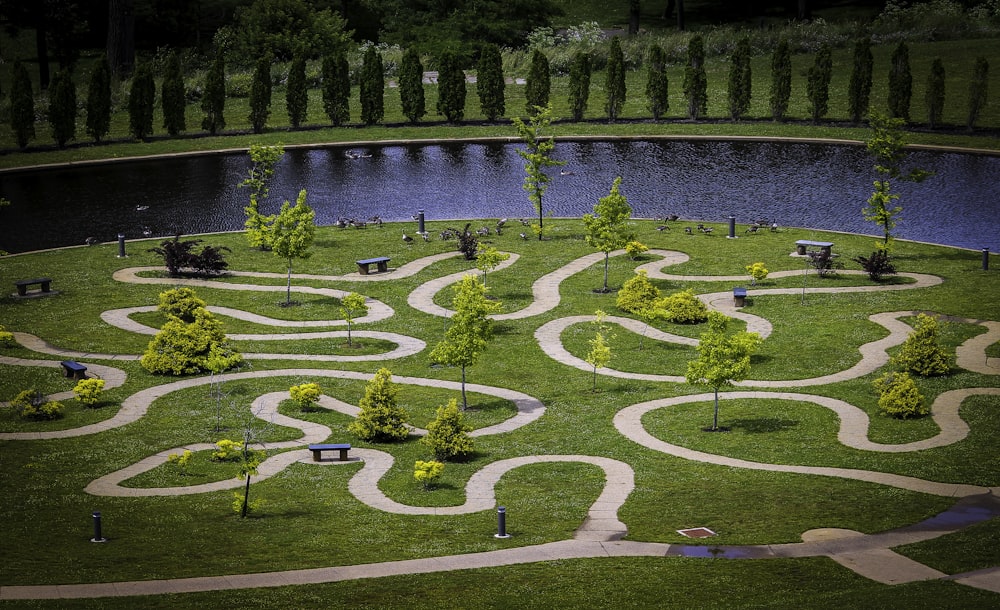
x: 407, y: 238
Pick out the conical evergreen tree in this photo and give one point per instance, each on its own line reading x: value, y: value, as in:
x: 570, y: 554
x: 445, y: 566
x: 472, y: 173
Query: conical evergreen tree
x: 22, y: 106
x: 336, y: 88
x: 740, y: 80
x: 579, y: 84
x: 296, y: 93
x: 62, y: 107
x: 781, y: 80
x: 411, y: 86
x: 142, y: 96
x: 614, y: 86
x: 657, y: 86
x: 490, y: 84
x: 695, y: 81
x: 538, y: 86
x: 451, y: 87
x: 900, y: 83
x: 172, y: 96
x: 213, y: 102
x: 372, y: 88
x: 260, y: 94
x: 860, y: 89
x: 99, y: 101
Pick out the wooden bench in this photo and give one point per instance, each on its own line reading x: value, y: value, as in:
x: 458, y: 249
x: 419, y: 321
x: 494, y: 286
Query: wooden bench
x: 739, y: 296
x: 802, y: 244
x: 72, y: 368
x: 319, y: 449
x: 22, y: 285
x: 381, y: 263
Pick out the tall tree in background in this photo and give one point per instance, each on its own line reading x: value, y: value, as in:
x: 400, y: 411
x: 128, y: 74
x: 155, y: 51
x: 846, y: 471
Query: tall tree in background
x: 141, y: 98
x: 579, y: 84
x: 935, y: 93
x: 614, y: 87
x: 336, y: 87
x: 213, y: 102
x: 121, y: 37
x: 634, y: 11
x: 99, y: 101
x: 538, y: 86
x: 781, y: 80
x: 695, y: 81
x: 296, y: 93
x: 489, y: 82
x: 172, y: 96
x: 411, y: 85
x: 22, y: 105
x: 657, y: 85
x: 451, y: 87
x: 62, y: 107
x: 977, y: 91
x: 668, y: 10
x: 860, y: 89
x: 537, y: 155
x: 372, y: 87
x: 818, y: 83
x: 900, y: 83
x: 260, y: 94
x: 740, y: 80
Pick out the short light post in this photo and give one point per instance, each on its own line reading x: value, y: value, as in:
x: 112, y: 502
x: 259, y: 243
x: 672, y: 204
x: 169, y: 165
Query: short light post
x: 732, y: 227
x: 97, y: 528
x: 986, y: 259
x: 501, y: 523
x: 121, y: 245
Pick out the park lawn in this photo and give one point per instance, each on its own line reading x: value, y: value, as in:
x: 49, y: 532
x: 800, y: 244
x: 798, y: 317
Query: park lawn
x: 309, y: 519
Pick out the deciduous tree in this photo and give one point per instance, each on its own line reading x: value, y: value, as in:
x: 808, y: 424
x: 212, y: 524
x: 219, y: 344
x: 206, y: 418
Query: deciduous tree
x: 608, y: 226
x: 723, y: 358
x: 537, y: 155
x: 263, y: 159
x: 351, y: 306
x: 292, y: 233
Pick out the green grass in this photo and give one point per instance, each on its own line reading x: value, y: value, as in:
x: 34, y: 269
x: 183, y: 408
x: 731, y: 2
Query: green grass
x: 309, y: 519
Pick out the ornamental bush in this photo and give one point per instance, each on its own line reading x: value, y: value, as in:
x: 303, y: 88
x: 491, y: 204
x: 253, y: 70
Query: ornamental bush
x: 180, y: 303
x: 921, y: 353
x: 6, y: 337
x: 758, y: 272
x: 427, y: 472
x: 88, y: 391
x: 635, y: 248
x: 447, y: 436
x: 31, y: 405
x: 684, y: 308
x: 305, y: 395
x: 637, y: 293
x: 381, y: 419
x: 182, y: 348
x: 227, y: 450
x: 899, y: 396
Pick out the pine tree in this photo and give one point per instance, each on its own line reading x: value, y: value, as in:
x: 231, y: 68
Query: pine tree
x: 99, y: 101
x: 490, y: 84
x: 447, y: 436
x: 900, y: 83
x: 336, y: 88
x: 860, y: 89
x: 538, y: 87
x: 977, y: 91
x: 411, y: 86
x: 451, y: 87
x: 380, y: 419
x: 740, y: 77
x: 695, y: 81
x: 818, y: 83
x: 922, y: 353
x: 579, y: 84
x: 781, y: 80
x: 296, y: 94
x: 213, y: 102
x: 260, y: 94
x: 22, y: 106
x: 615, y: 84
x: 935, y: 93
x: 372, y: 87
x: 62, y: 107
x: 172, y: 96
x: 141, y: 97
x: 657, y: 86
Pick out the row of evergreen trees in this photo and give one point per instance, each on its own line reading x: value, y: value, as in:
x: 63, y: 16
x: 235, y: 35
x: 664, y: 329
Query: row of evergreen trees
x: 490, y: 84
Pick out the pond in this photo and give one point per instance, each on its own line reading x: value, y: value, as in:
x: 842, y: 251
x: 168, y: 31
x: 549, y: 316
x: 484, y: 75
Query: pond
x: 822, y: 186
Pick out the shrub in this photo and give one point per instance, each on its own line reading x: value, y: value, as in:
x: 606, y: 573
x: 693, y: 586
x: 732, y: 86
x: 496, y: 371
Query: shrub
x: 180, y: 303
x: 758, y: 272
x: 635, y: 248
x: 427, y: 472
x: 47, y: 410
x: 637, y: 293
x: 447, y: 435
x: 468, y: 243
x: 305, y: 395
x: 824, y: 262
x: 6, y: 337
x: 380, y: 417
x: 88, y: 391
x: 182, y: 348
x: 684, y: 308
x: 921, y: 353
x: 899, y: 396
x: 878, y: 265
x: 181, y: 460
x: 179, y: 255
x: 26, y: 398
x: 227, y: 450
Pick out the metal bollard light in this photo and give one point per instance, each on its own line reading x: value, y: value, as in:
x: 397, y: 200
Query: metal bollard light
x: 732, y: 227
x: 420, y: 222
x: 502, y: 523
x: 121, y: 245
x: 97, y: 528
x: 986, y: 259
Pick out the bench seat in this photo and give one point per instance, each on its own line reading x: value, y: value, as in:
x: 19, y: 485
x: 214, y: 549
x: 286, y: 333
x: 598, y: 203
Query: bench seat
x: 802, y: 244
x: 22, y: 285
x: 72, y: 368
x: 739, y: 296
x: 381, y: 263
x: 318, y: 450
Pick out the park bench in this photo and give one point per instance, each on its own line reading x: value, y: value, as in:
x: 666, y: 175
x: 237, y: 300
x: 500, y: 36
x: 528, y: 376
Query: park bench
x: 72, y: 368
x: 739, y: 296
x: 802, y: 244
x: 22, y: 285
x: 381, y: 263
x: 319, y: 449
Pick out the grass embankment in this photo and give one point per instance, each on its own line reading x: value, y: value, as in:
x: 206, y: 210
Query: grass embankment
x: 957, y: 56
x: 309, y: 518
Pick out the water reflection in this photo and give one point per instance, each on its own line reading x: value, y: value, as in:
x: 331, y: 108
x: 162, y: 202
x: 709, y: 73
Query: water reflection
x: 794, y: 184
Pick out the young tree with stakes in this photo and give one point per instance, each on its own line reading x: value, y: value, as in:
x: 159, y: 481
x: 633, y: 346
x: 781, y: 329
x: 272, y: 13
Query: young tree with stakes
x: 537, y: 156
x: 292, y: 233
x: 470, y: 330
x: 351, y: 306
x: 614, y: 87
x: 608, y: 226
x: 722, y: 358
x: 257, y: 226
x: 411, y: 85
x: 489, y: 82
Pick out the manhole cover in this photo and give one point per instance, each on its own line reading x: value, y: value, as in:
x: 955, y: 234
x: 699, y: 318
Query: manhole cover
x: 696, y: 532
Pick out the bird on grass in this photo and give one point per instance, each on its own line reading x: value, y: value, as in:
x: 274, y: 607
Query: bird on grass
x: 524, y: 235
x: 407, y: 238
x: 662, y: 228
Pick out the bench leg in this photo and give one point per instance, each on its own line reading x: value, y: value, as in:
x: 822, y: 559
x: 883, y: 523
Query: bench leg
x: 45, y: 287
x: 383, y: 267
x: 316, y: 455
x: 343, y: 455
x: 363, y: 269
x: 22, y: 290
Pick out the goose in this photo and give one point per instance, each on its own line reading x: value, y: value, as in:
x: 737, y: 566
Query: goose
x: 407, y: 238
x: 524, y: 235
x: 662, y: 228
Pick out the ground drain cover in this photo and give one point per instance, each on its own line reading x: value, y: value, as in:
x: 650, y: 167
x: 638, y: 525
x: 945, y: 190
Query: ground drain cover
x: 696, y: 532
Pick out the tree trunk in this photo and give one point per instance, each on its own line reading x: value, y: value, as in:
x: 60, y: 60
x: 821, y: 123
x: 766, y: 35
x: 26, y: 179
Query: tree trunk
x: 465, y: 403
x: 41, y: 45
x: 715, y: 417
x: 606, y: 255
x: 680, y: 15
x: 121, y: 37
x: 246, y: 499
x: 803, y: 11
x: 288, y: 287
x: 633, y: 17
